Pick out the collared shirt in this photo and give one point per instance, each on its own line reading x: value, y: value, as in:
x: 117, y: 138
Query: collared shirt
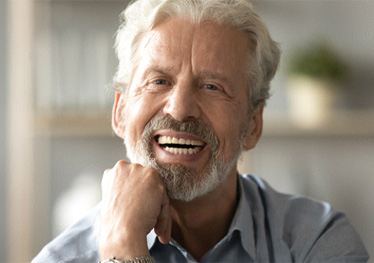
x: 267, y: 227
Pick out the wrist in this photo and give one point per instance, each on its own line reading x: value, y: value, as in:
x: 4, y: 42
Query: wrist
x: 144, y: 259
x: 123, y: 247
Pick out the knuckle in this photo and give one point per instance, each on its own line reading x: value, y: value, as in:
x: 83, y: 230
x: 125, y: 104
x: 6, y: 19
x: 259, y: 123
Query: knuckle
x: 135, y: 166
x: 162, y: 189
x: 106, y: 175
x: 151, y: 175
x: 150, y: 171
x: 120, y: 163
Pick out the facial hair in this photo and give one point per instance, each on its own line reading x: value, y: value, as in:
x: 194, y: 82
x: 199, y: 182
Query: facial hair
x: 181, y: 182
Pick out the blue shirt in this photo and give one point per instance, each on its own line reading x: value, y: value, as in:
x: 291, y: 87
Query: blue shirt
x: 267, y: 227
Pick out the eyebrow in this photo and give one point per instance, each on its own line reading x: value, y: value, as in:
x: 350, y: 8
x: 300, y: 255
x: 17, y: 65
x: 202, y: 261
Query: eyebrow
x: 211, y: 75
x: 202, y: 74
x: 156, y: 69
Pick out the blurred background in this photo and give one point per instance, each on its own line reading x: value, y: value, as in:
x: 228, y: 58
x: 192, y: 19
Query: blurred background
x: 56, y: 61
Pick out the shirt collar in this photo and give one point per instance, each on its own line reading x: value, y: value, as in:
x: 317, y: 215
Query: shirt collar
x: 151, y: 239
x: 241, y: 222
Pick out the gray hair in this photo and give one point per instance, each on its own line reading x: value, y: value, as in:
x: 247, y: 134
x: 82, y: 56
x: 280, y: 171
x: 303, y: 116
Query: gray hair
x: 143, y: 15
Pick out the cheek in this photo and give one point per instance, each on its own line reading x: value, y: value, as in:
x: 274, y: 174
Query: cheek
x: 138, y: 115
x: 227, y: 128
x: 228, y: 124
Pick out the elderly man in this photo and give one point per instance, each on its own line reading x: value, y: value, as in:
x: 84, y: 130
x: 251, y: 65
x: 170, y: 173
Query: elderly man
x: 192, y: 82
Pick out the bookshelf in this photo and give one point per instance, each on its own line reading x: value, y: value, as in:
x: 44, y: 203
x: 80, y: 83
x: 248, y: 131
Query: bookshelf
x: 91, y: 123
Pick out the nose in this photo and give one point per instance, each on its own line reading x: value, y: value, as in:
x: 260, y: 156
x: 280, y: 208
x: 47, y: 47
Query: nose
x: 182, y: 103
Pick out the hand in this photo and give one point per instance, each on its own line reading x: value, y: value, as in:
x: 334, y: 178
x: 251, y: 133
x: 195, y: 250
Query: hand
x: 134, y: 202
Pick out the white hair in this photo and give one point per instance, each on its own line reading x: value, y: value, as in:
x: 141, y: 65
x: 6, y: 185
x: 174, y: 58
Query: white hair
x: 143, y: 15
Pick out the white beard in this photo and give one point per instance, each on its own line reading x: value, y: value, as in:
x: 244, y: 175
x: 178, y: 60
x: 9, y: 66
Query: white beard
x: 181, y: 183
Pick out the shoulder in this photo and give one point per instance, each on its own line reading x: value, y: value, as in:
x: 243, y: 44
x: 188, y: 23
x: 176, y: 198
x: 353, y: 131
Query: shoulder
x: 76, y: 244
x: 311, y: 230
x: 283, y: 205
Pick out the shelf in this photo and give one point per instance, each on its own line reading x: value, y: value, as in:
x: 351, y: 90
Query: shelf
x: 70, y: 123
x: 342, y: 123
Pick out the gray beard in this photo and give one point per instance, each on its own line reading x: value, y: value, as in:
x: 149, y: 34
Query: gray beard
x: 182, y: 183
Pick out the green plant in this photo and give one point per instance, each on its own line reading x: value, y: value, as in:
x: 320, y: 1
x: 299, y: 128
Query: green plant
x: 318, y: 61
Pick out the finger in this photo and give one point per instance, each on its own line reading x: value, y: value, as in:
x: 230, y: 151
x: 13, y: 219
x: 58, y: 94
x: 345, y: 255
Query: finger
x: 165, y: 235
x: 163, y: 221
x: 168, y: 230
x: 163, y: 217
x: 104, y: 182
x: 109, y: 175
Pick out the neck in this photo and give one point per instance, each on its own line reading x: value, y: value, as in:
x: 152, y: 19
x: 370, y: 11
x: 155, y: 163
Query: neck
x: 200, y: 224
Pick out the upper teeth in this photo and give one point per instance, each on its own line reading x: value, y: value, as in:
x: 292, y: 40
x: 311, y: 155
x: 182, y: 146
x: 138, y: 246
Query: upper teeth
x: 173, y: 140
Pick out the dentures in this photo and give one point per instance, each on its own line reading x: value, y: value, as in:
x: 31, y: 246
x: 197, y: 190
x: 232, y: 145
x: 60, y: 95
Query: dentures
x: 180, y: 145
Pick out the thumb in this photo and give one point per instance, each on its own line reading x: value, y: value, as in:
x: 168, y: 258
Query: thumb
x: 164, y: 222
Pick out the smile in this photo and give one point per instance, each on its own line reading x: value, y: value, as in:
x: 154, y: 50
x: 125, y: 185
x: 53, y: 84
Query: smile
x: 180, y: 145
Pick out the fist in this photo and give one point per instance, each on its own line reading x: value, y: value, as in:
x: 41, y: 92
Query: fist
x: 134, y: 201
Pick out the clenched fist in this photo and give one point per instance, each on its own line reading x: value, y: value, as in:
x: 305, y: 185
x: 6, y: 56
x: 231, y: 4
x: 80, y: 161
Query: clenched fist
x: 134, y: 202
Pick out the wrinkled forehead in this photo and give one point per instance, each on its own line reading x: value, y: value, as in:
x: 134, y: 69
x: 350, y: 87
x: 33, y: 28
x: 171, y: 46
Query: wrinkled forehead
x: 209, y: 44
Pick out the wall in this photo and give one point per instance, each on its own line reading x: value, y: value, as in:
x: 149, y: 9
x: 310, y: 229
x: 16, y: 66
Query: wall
x: 75, y: 39
x: 337, y: 169
x: 346, y: 25
x: 75, y: 159
x: 3, y: 110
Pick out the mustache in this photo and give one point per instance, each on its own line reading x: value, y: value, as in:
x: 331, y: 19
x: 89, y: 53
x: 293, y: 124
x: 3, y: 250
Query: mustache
x: 194, y: 127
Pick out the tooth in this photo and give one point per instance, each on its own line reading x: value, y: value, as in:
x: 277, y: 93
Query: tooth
x: 182, y: 141
x: 182, y: 151
x: 199, y: 143
x: 162, y: 139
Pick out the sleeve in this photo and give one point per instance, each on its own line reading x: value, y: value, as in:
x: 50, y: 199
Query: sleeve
x: 78, y: 243
x: 338, y: 242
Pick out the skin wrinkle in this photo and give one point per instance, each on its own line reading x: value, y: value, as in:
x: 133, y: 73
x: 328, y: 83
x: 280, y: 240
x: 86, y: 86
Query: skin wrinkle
x: 182, y: 56
x: 154, y: 36
x: 179, y: 187
x: 136, y: 57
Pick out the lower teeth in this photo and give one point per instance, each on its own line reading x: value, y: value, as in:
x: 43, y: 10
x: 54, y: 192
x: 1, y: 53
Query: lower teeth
x: 182, y: 150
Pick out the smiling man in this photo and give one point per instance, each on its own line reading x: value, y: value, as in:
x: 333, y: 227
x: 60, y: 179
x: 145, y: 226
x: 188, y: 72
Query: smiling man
x: 192, y: 83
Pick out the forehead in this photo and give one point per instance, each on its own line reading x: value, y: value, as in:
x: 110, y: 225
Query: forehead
x: 205, y: 47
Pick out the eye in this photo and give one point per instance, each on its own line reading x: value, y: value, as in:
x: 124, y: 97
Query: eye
x: 210, y: 87
x: 160, y: 82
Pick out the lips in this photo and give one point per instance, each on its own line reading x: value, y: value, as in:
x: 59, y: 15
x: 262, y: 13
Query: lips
x: 180, y: 146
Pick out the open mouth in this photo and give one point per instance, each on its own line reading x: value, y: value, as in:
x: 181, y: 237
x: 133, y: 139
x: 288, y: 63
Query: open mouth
x: 180, y: 145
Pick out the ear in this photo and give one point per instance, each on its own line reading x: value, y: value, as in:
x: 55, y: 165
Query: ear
x: 118, y: 122
x: 255, y: 128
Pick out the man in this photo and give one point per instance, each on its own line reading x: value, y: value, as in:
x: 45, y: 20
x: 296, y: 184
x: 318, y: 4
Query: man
x: 192, y: 82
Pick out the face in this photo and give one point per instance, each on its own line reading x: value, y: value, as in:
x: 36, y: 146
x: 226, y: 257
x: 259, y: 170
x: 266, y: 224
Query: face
x: 186, y: 110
